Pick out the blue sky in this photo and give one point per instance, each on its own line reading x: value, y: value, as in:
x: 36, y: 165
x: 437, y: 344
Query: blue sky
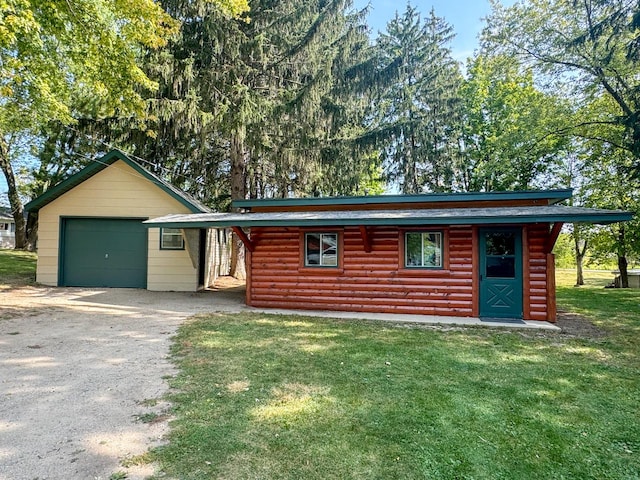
x: 466, y: 17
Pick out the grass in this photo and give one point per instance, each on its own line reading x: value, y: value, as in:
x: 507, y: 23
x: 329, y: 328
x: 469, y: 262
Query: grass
x: 17, y: 268
x: 613, y: 309
x: 283, y: 397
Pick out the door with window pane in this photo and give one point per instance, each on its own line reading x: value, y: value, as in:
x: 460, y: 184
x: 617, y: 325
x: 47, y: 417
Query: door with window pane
x: 501, y: 273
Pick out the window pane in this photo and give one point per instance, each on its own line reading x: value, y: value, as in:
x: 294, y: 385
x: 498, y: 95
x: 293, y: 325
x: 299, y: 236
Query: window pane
x: 432, y: 249
x: 413, y: 250
x: 501, y: 244
x: 312, y: 249
x: 329, y: 250
x: 502, y: 267
x: 172, y: 239
x: 423, y: 249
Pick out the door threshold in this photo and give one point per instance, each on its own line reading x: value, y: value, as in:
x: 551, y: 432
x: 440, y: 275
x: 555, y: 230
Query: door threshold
x: 502, y: 320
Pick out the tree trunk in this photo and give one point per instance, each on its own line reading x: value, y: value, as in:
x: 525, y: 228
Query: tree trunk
x: 622, y: 267
x: 17, y: 209
x: 579, y: 272
x: 580, y: 252
x: 32, y: 231
x: 238, y: 192
x: 622, y: 257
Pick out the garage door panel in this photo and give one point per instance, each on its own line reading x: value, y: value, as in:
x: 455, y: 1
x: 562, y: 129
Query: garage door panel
x: 104, y: 253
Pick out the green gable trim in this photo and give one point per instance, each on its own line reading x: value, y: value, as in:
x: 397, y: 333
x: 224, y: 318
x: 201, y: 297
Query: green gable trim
x: 100, y: 164
x: 554, y: 196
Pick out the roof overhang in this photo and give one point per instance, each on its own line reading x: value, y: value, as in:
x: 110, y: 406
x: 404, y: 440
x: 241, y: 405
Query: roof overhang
x: 409, y: 217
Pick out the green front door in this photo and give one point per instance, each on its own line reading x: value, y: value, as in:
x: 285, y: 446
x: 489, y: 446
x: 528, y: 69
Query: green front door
x: 501, y: 272
x: 103, y: 252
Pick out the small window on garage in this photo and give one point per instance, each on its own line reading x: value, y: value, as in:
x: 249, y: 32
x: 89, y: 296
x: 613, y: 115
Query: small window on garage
x: 321, y: 249
x: 423, y: 250
x: 171, y: 239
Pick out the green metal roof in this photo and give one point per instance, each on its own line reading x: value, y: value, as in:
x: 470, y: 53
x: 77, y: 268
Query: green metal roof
x: 100, y: 164
x: 554, y: 196
x: 441, y: 216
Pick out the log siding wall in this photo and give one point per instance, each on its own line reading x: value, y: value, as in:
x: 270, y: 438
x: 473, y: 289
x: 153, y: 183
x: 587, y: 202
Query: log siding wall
x: 366, y: 282
x: 377, y: 281
x: 537, y: 290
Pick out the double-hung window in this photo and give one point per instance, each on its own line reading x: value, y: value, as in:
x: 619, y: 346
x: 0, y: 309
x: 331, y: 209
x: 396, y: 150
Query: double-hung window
x: 423, y: 250
x: 321, y: 250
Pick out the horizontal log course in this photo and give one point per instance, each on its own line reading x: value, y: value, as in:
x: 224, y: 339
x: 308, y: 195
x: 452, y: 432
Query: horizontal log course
x: 278, y: 257
x: 370, y: 260
x: 322, y: 281
x: 538, y: 290
x: 539, y: 316
x: 457, y: 253
x: 270, y: 247
x: 460, y: 266
x: 442, y: 308
x: 345, y: 291
x: 538, y: 299
x: 539, y: 308
x: 332, y: 275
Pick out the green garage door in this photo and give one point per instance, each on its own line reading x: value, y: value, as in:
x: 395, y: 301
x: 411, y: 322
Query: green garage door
x: 103, y: 252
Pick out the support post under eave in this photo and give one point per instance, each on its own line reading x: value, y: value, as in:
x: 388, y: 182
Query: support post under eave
x: 249, y: 245
x: 553, y: 237
x: 366, y: 238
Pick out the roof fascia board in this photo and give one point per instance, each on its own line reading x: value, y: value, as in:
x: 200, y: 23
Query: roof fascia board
x: 554, y: 195
x: 454, y: 220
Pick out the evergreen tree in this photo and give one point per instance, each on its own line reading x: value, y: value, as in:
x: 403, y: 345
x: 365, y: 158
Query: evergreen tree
x: 417, y: 111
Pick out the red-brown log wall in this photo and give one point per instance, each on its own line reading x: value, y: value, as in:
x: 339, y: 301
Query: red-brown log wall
x: 537, y: 290
x: 368, y: 282
x: 376, y: 281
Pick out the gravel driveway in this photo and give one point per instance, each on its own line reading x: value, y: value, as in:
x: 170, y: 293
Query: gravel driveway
x: 79, y: 368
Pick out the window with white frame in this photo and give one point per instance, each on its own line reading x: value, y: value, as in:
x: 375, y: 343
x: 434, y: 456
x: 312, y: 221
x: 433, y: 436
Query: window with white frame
x: 171, y: 239
x: 423, y: 249
x: 321, y: 249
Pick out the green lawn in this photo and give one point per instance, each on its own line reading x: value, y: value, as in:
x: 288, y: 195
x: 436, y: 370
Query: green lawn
x: 17, y: 268
x: 281, y: 397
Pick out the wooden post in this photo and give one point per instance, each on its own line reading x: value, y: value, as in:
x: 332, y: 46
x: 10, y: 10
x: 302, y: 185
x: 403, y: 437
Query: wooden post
x: 526, y: 275
x: 247, y: 293
x: 366, y: 238
x: 475, y: 274
x: 551, y: 288
x: 553, y: 237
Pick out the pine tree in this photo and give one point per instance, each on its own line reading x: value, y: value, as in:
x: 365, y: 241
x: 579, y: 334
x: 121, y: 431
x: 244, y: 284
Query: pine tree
x: 417, y: 119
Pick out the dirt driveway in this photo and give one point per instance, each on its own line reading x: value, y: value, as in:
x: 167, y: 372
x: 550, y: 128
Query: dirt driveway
x: 80, y: 371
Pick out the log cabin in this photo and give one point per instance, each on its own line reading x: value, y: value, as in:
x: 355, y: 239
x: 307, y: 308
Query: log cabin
x: 486, y: 255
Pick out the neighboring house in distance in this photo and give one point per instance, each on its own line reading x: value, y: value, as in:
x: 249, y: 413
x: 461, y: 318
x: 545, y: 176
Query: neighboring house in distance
x: 7, y: 229
x: 90, y: 231
x: 482, y: 255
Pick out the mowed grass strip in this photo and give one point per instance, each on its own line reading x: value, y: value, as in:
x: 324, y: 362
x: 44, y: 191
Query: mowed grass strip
x: 284, y: 397
x: 17, y: 268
